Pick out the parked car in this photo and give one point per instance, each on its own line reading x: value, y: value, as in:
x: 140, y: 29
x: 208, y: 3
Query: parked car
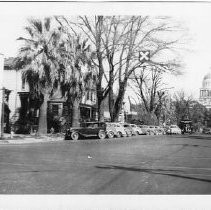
x: 120, y: 130
x: 136, y: 129
x: 206, y: 130
x: 144, y: 129
x: 161, y: 130
x: 130, y: 128
x: 158, y: 130
x: 174, y: 129
x: 166, y: 129
x: 152, y: 130
x: 128, y: 131
x: 88, y: 129
x: 111, y: 130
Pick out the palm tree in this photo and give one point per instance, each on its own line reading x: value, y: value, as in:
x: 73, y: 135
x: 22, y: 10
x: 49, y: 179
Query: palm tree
x: 38, y: 61
x: 77, y: 74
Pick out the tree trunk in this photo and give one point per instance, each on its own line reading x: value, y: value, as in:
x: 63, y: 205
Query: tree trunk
x: 69, y: 113
x: 42, y: 126
x: 100, y: 110
x: 119, y: 100
x: 111, y: 92
x: 111, y: 105
x: 158, y: 115
x: 76, y: 113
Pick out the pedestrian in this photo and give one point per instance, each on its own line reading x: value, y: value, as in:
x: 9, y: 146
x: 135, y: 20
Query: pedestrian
x: 11, y: 134
x: 52, y: 130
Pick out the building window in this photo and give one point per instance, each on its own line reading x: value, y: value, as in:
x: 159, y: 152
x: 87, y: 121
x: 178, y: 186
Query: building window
x: 88, y: 95
x: 55, y: 109
x: 23, y: 84
x: 93, y: 97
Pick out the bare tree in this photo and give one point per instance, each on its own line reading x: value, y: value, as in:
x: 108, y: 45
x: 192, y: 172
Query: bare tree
x: 117, y: 42
x: 150, y: 89
x: 124, y: 38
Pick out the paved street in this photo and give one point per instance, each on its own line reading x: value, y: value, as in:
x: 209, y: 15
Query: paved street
x: 136, y: 165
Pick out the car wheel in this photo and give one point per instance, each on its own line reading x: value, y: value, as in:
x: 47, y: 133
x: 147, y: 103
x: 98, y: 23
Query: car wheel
x: 119, y: 134
x: 130, y: 134
x: 110, y: 135
x: 101, y: 134
x: 74, y: 136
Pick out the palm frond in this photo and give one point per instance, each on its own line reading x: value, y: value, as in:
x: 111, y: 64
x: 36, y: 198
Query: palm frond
x: 47, y: 23
x: 29, y: 30
x: 25, y: 39
x: 37, y: 25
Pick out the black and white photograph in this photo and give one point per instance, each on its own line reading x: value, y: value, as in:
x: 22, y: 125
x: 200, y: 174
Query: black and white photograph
x: 108, y: 99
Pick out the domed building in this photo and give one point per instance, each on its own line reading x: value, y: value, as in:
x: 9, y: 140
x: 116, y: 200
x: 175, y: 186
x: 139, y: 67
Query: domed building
x: 205, y: 91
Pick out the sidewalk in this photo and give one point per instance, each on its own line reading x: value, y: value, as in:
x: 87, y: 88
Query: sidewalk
x: 27, y: 138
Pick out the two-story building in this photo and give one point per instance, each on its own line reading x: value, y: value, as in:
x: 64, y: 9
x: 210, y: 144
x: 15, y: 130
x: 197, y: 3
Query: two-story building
x: 24, y: 111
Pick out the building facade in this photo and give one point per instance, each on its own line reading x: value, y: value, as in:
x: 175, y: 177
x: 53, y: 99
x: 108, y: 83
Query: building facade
x: 205, y: 91
x: 23, y: 112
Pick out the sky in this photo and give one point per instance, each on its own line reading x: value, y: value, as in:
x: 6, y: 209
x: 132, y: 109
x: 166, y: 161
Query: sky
x: 196, y: 16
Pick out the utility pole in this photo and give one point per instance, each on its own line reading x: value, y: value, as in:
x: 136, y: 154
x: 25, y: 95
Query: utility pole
x: 1, y: 96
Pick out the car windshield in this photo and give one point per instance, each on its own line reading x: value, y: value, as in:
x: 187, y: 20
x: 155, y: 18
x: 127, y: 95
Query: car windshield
x: 90, y: 125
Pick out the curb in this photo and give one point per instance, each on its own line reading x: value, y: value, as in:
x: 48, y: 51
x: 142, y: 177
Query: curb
x: 3, y: 142
x: 29, y: 140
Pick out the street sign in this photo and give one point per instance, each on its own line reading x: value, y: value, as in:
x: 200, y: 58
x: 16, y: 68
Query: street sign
x: 144, y: 56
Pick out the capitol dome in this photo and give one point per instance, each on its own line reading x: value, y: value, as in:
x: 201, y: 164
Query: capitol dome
x: 207, y: 81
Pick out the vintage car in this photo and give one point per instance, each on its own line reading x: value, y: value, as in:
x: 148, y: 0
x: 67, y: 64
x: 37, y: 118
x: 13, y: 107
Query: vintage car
x: 174, y: 129
x: 206, y: 131
x: 166, y: 129
x: 160, y: 130
x: 121, y: 132
x: 111, y: 130
x: 152, y: 130
x: 144, y: 129
x: 88, y: 129
x: 128, y: 132
x: 136, y: 129
x: 130, y: 128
